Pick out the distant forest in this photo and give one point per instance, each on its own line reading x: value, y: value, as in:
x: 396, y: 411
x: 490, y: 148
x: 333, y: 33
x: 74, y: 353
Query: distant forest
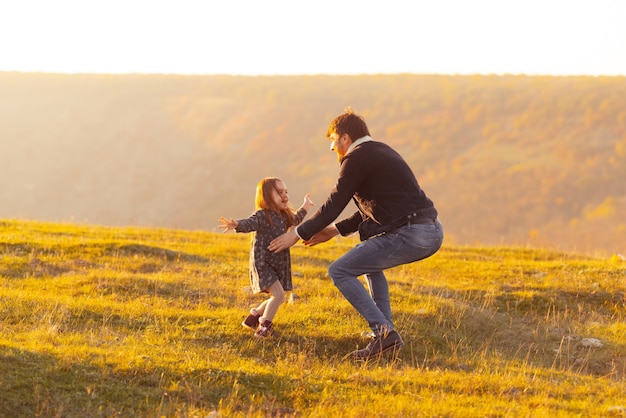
x: 508, y: 160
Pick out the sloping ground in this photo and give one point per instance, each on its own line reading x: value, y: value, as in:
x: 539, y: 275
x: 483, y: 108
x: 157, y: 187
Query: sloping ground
x: 99, y: 321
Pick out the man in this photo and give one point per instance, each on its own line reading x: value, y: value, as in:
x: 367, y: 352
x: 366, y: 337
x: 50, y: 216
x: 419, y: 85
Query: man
x: 396, y: 221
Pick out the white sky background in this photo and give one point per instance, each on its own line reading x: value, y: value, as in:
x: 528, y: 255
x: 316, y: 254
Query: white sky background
x: 254, y: 37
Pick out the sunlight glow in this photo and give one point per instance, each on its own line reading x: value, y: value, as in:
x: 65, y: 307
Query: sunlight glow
x: 324, y: 37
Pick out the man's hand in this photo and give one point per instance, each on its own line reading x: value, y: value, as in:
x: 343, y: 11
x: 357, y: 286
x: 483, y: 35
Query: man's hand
x: 284, y: 241
x: 324, y: 235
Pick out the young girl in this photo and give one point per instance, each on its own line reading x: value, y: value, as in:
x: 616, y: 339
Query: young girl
x: 269, y: 272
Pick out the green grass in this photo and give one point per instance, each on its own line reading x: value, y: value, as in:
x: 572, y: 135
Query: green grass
x: 129, y: 322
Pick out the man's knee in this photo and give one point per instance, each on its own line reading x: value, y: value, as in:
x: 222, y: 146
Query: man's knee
x: 332, y: 271
x: 336, y: 272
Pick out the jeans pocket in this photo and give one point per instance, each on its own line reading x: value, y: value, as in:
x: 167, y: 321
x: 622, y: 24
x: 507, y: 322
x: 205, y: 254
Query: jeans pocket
x: 419, y: 242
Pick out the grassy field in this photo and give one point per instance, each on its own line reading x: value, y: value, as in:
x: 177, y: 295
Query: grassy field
x: 121, y: 322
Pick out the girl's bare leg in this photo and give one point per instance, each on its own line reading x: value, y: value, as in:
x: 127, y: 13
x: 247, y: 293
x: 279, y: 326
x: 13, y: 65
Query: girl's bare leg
x: 260, y: 310
x: 270, y: 306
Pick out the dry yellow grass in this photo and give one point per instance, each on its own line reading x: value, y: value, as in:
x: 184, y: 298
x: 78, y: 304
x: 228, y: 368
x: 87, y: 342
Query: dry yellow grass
x: 127, y: 322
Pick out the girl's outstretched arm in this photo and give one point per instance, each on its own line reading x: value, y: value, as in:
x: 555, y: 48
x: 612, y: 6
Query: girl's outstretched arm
x: 227, y: 224
x: 308, y: 203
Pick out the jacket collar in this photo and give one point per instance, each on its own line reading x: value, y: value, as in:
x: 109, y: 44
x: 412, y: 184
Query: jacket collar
x: 358, y: 142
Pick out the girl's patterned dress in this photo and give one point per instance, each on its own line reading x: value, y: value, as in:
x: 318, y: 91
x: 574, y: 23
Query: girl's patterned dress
x: 265, y: 266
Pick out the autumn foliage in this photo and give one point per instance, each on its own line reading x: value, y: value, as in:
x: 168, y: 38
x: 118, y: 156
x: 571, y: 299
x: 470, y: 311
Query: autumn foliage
x: 507, y: 159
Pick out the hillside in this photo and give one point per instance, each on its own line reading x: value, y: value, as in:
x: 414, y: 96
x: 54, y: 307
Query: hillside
x: 507, y: 159
x: 137, y: 322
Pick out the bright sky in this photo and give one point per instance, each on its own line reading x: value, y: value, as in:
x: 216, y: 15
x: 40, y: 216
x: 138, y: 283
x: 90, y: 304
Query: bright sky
x: 560, y: 37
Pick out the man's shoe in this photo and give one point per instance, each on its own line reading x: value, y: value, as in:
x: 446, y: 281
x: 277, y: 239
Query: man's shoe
x: 252, y: 321
x: 380, y: 344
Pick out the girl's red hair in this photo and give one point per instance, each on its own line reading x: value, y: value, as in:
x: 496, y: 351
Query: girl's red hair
x: 264, y: 200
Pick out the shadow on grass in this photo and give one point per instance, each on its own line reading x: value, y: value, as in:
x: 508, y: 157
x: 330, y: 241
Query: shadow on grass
x: 30, y: 264
x: 36, y: 384
x: 35, y: 250
x: 156, y: 252
x: 535, y: 327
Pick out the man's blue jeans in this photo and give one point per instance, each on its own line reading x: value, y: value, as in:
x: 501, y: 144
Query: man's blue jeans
x: 405, y: 245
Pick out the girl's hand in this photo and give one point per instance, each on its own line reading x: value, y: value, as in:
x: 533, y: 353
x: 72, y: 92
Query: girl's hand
x: 308, y: 202
x: 227, y: 224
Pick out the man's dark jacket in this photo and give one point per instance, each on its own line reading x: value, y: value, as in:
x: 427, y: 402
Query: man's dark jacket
x: 383, y: 188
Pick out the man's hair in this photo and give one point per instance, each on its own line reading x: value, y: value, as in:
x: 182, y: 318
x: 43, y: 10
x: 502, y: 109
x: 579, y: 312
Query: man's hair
x: 348, y: 123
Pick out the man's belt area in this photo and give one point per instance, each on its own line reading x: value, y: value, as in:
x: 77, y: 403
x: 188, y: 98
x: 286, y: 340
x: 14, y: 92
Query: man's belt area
x: 414, y: 218
x: 421, y: 221
x: 369, y: 229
